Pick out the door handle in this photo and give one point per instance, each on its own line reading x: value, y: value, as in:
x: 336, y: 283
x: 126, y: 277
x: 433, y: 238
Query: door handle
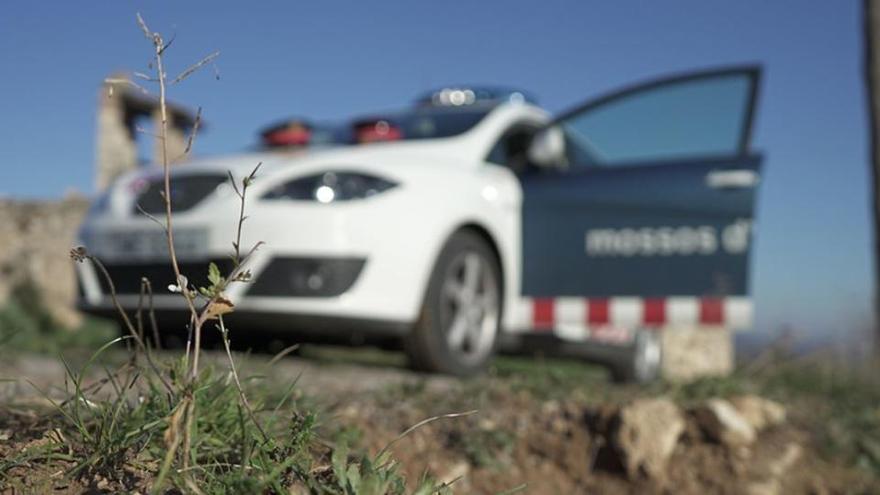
x: 732, y: 179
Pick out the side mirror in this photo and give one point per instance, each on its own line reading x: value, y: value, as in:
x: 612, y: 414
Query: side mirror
x: 547, y: 148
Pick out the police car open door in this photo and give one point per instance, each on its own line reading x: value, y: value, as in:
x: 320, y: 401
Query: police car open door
x: 649, y: 206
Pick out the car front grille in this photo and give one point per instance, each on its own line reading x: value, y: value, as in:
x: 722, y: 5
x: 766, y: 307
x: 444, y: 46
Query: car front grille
x: 307, y: 277
x: 186, y: 192
x: 126, y: 277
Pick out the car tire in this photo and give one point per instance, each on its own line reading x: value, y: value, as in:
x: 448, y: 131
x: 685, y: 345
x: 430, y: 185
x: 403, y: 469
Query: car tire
x: 457, y: 329
x: 645, y: 359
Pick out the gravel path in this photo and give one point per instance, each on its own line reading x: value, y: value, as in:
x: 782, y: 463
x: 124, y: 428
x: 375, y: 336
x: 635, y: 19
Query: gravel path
x: 24, y: 376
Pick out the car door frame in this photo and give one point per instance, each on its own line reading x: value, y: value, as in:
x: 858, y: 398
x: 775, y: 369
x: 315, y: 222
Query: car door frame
x: 741, y: 152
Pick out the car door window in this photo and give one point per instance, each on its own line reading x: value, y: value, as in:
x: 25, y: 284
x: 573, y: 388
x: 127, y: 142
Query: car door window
x: 703, y: 115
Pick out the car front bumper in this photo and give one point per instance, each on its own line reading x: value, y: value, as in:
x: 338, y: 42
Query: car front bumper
x: 359, y: 262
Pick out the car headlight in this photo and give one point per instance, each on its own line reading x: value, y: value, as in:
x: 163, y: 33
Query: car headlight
x: 329, y: 187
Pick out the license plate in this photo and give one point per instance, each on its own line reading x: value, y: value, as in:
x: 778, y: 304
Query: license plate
x: 139, y: 245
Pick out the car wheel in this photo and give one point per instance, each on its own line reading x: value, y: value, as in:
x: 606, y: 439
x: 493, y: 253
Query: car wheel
x: 458, y: 327
x: 645, y: 360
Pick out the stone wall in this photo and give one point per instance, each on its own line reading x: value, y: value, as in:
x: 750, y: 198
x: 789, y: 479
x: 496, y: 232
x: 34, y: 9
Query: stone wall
x: 36, y: 236
x: 35, y: 239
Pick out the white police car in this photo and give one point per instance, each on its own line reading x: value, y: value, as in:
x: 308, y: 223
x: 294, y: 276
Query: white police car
x: 471, y: 217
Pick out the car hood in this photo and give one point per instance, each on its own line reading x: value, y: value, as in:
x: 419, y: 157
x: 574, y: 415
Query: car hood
x: 448, y: 152
x: 423, y: 161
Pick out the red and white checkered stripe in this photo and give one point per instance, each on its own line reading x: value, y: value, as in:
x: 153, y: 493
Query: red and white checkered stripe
x: 615, y: 318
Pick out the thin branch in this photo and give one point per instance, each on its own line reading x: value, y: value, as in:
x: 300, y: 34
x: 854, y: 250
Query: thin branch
x: 152, y: 313
x: 192, y: 134
x: 141, y: 130
x: 185, y: 411
x: 196, y: 66
x: 128, y: 82
x: 239, y: 271
x: 245, y: 183
x: 168, y: 45
x: 145, y: 77
x: 139, y: 318
x: 151, y: 217
x: 147, y: 33
x: 163, y: 130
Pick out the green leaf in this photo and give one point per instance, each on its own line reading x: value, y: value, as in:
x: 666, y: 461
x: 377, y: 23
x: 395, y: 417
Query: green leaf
x: 353, y: 476
x: 214, y: 274
x: 339, y: 461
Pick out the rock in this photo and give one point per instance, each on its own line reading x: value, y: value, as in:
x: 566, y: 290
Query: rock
x: 722, y: 423
x: 774, y: 469
x: 103, y: 484
x: 764, y: 487
x: 759, y: 412
x: 692, y: 352
x: 817, y: 487
x: 455, y: 473
x: 778, y: 466
x: 647, y: 433
x: 742, y: 452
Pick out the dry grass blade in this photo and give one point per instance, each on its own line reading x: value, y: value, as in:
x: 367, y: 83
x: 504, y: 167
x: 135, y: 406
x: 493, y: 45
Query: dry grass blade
x: 234, y: 371
x: 421, y: 424
x: 515, y: 489
x: 154, y: 326
x: 280, y: 355
x: 194, y: 67
x: 77, y: 255
x: 171, y: 438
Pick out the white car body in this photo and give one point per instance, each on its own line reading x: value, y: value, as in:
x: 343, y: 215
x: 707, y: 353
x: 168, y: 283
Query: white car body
x: 445, y: 185
x: 601, y: 236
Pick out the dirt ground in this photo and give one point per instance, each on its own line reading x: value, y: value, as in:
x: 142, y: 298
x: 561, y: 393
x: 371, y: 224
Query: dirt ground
x: 524, y: 437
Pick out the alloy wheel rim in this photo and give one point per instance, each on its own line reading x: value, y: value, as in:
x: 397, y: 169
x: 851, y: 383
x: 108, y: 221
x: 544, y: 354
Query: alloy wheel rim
x: 469, y: 310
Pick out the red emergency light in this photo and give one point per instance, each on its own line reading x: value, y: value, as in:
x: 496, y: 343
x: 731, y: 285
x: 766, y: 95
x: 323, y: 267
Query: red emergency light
x: 293, y: 133
x: 376, y: 131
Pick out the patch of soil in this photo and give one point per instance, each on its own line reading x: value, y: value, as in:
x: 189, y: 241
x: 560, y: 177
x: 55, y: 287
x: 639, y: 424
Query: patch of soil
x: 513, y: 440
x: 554, y: 447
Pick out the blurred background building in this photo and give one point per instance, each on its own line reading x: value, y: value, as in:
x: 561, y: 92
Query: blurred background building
x: 35, y: 234
x: 126, y: 116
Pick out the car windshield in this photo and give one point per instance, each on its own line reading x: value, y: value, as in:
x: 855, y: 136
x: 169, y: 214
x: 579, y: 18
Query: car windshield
x: 426, y: 122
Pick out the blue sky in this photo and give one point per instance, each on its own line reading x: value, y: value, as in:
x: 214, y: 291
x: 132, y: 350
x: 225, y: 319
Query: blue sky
x: 331, y: 59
